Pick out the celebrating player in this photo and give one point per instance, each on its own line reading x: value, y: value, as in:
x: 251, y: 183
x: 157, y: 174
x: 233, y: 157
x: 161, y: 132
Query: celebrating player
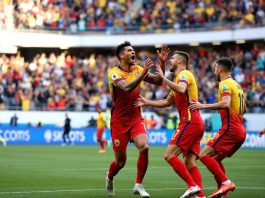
x: 126, y: 120
x: 232, y: 133
x: 101, y: 127
x: 187, y: 137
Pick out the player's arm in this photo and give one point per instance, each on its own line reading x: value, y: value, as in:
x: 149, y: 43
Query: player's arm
x: 223, y: 104
x: 181, y: 87
x: 129, y: 87
x: 141, y: 101
x: 162, y: 55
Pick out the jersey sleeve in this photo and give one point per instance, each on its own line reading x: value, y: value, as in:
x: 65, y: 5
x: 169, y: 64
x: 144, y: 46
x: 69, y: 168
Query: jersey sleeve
x: 185, y: 77
x: 225, y: 89
x: 114, y: 76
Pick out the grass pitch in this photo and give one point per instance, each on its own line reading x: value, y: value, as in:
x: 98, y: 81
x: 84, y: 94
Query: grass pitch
x: 78, y: 171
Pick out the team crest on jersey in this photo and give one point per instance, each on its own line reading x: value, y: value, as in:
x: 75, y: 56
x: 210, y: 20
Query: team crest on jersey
x: 224, y: 87
x: 137, y: 74
x: 114, y: 76
x: 117, y: 142
x: 183, y: 77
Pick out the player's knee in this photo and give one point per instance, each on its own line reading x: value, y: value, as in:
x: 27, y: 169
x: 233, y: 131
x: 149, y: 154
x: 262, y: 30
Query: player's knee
x: 190, y: 163
x: 144, y: 149
x: 202, y: 155
x: 168, y: 156
x: 121, y: 164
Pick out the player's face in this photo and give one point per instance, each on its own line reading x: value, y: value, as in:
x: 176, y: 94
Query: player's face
x: 174, y: 61
x: 217, y: 71
x: 129, y: 55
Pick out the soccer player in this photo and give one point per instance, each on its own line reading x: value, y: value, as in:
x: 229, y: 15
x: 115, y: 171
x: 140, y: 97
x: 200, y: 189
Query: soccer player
x: 187, y: 137
x: 101, y: 127
x: 126, y: 120
x: 261, y: 132
x: 67, y: 129
x: 232, y: 134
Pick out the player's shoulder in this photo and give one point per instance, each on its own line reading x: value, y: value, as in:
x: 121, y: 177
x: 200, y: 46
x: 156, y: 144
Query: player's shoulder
x: 185, y: 74
x: 114, y: 69
x: 228, y: 82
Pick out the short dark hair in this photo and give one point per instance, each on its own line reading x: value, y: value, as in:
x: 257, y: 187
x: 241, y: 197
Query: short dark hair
x: 121, y: 47
x: 226, y: 63
x: 185, y: 55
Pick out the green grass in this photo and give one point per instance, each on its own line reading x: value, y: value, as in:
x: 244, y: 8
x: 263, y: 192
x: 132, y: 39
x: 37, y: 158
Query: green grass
x: 78, y: 171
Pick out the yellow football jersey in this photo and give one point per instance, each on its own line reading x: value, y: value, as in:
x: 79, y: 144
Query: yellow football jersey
x: 101, y: 120
x: 123, y: 102
x: 182, y: 101
x: 232, y: 117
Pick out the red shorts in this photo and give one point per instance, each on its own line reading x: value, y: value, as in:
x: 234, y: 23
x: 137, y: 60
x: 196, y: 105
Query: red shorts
x: 122, y: 133
x: 188, y: 137
x: 227, y: 142
x: 100, y: 132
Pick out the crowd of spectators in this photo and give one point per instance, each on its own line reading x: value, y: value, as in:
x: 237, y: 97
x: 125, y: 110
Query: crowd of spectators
x: 67, y: 82
x: 121, y: 15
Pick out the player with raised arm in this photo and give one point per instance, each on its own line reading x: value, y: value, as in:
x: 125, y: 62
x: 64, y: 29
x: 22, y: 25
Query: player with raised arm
x: 232, y: 134
x: 126, y: 120
x: 187, y: 137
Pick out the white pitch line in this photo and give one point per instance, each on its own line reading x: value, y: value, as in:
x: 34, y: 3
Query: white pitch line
x: 152, y: 167
x: 100, y: 189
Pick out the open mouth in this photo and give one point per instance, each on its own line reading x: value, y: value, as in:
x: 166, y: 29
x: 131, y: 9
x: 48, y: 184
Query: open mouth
x: 133, y: 58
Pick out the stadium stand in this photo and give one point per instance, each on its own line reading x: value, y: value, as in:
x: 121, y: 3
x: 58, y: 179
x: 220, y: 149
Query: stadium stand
x: 65, y: 81
x: 141, y: 16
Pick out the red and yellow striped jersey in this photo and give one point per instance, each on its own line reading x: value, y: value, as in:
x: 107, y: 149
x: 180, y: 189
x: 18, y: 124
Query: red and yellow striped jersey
x: 123, y: 102
x: 182, y: 101
x: 232, y: 117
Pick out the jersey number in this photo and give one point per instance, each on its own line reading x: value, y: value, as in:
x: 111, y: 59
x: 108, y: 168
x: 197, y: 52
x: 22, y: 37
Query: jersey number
x: 242, y: 103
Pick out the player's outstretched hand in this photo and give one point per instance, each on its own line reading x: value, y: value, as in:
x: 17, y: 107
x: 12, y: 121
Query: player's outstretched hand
x: 159, y: 71
x: 147, y: 65
x: 261, y: 132
x: 141, y: 101
x: 163, y: 54
x: 195, y: 105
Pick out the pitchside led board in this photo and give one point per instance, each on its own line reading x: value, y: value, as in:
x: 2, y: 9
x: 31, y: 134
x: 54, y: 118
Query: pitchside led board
x: 87, y: 136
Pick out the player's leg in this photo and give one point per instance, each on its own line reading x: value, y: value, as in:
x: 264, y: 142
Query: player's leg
x: 100, y: 140
x: 190, y: 162
x: 179, y: 167
x: 206, y: 157
x: 64, y: 139
x: 219, y: 158
x: 141, y: 143
x: 115, y: 167
x: 120, y: 139
x: 68, y: 137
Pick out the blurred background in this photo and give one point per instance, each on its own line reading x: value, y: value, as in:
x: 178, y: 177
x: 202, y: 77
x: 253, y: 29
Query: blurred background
x: 55, y: 54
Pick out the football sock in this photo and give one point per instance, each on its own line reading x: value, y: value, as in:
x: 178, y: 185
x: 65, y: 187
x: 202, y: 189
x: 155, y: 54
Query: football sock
x: 213, y: 166
x: 102, y: 144
x: 113, y: 170
x: 196, y: 176
x: 142, y: 164
x: 181, y: 170
x: 219, y: 183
